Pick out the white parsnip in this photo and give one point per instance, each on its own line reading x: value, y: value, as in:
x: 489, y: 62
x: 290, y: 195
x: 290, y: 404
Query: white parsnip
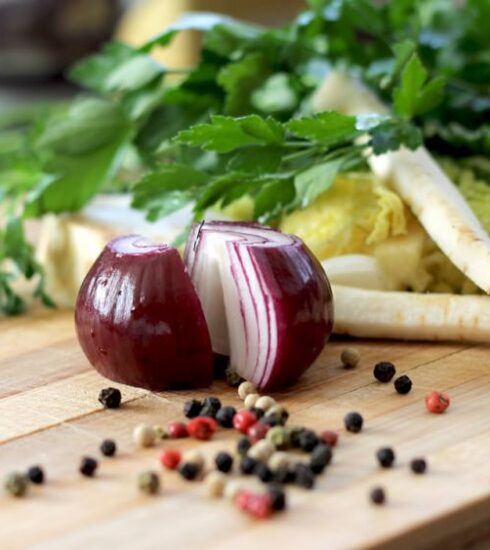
x: 410, y: 315
x: 420, y: 182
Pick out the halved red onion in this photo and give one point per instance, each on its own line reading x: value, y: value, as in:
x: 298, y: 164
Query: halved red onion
x: 139, y: 320
x: 266, y: 299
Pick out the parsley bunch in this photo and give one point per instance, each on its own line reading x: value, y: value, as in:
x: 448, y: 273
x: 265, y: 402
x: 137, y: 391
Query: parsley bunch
x: 239, y: 122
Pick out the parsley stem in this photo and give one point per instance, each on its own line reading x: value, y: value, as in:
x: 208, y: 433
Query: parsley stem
x: 299, y: 154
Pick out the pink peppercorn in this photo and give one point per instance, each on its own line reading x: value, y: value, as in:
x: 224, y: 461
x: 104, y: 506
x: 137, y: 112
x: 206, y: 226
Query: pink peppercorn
x: 177, y: 430
x: 202, y: 428
x: 170, y: 458
x: 437, y: 402
x: 255, y: 504
x: 329, y: 437
x: 243, y: 420
x: 257, y: 431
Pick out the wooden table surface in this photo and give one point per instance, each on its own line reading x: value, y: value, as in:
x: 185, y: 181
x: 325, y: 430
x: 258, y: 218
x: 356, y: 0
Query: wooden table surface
x: 49, y: 414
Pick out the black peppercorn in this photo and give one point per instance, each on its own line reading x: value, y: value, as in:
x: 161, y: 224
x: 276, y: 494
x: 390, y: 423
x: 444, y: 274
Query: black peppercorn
x: 353, y: 422
x: 385, y: 457
x: 210, y: 406
x: 403, y: 384
x: 304, y: 476
x: 247, y: 465
x: 294, y: 436
x: 88, y: 465
x: 321, y: 457
x: 243, y: 446
x: 277, y: 497
x: 224, y: 462
x: 110, y: 398
x: 225, y: 415
x: 285, y: 474
x: 377, y: 496
x: 259, y: 413
x: 418, y: 466
x: 272, y: 420
x: 263, y: 472
x: 192, y: 408
x: 189, y: 470
x: 308, y: 440
x: 384, y: 371
x: 108, y: 447
x: 35, y: 474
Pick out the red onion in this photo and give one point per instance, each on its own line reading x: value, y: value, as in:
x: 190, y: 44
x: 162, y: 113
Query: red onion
x: 266, y: 299
x: 139, y: 320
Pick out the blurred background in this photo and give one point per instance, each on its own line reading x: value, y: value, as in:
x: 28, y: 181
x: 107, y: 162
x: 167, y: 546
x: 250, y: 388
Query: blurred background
x: 39, y: 39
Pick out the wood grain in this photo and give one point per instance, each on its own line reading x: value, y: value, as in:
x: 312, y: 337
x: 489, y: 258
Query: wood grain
x: 49, y: 414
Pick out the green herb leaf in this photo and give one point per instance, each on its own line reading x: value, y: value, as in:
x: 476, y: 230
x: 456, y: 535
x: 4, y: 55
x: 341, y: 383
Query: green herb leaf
x: 412, y: 97
x: 315, y: 180
x: 389, y: 135
x: 225, y: 134
x: 325, y: 128
x: 257, y: 159
x: 240, y: 79
x: 118, y: 68
x: 275, y: 197
x: 162, y: 192
x: 197, y: 21
x: 88, y: 125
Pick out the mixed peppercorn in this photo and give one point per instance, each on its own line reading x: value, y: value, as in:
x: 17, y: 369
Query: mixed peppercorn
x: 263, y: 449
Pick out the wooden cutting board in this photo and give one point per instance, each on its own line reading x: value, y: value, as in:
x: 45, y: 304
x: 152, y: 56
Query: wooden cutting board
x: 49, y: 414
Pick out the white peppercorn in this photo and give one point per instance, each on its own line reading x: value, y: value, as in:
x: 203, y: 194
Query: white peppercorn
x: 144, y: 435
x: 194, y: 457
x: 350, y: 357
x: 232, y: 488
x: 215, y: 483
x: 261, y: 451
x: 278, y: 460
x: 265, y: 403
x: 250, y: 400
x: 246, y: 388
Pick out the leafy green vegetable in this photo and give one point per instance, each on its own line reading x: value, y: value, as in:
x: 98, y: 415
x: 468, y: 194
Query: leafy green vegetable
x: 415, y: 95
x: 239, y: 122
x: 225, y: 134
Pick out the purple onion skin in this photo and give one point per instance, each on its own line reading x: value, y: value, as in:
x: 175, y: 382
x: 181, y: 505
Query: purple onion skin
x: 302, y: 297
x: 139, y: 320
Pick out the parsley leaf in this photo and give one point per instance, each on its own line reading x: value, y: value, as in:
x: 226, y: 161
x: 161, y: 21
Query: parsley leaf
x: 225, y: 134
x: 326, y: 128
x: 415, y: 95
x: 315, y: 180
x: 118, y: 67
x: 164, y: 191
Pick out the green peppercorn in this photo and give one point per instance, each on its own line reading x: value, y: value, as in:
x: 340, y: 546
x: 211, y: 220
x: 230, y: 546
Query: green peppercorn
x: 149, y: 483
x: 279, y: 436
x: 16, y: 484
x: 233, y: 379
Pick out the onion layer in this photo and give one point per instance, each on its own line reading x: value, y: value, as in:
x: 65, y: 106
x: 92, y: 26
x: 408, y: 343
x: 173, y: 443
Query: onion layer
x: 266, y: 299
x: 139, y: 320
